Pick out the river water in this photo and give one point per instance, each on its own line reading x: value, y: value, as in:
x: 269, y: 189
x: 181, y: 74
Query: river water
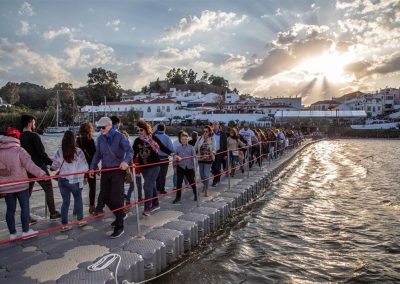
x: 333, y: 215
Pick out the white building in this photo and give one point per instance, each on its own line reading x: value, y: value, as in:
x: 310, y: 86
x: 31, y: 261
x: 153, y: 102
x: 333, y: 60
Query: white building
x: 208, y: 98
x: 155, y: 108
x: 231, y: 98
x: 3, y: 103
x: 372, y: 104
x: 271, y: 110
x: 140, y: 97
x: 391, y: 97
x: 293, y: 102
x: 253, y: 118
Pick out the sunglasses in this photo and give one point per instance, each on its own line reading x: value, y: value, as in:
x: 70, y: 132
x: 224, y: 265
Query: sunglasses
x: 140, y: 130
x: 103, y: 127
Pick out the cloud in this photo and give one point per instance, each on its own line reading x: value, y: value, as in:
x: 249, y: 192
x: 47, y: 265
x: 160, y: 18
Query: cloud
x: 359, y: 69
x: 27, y: 65
x: 62, y: 31
x: 148, y: 68
x: 24, y: 29
x: 26, y: 9
x: 390, y: 65
x: 177, y: 54
x: 278, y: 60
x: 234, y: 63
x: 209, y: 20
x: 300, y: 31
x: 347, y: 4
x: 83, y: 54
x: 114, y: 24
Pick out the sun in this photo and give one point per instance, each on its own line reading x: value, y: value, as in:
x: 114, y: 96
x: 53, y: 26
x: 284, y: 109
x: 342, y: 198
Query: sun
x: 329, y: 65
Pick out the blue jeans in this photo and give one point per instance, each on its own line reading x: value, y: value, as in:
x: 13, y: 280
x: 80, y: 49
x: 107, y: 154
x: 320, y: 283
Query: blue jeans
x: 131, y: 188
x: 205, y: 172
x: 11, y: 202
x: 66, y: 189
x: 150, y: 175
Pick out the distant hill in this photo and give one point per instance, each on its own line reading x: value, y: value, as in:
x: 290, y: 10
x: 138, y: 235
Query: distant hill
x: 348, y: 96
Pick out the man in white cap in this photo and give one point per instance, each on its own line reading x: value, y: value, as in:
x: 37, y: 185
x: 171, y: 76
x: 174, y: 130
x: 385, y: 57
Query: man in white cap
x: 114, y: 151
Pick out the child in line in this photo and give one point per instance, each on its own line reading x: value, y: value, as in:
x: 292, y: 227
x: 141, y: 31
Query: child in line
x: 185, y: 167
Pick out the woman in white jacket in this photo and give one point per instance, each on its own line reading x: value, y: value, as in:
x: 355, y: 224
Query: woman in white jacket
x: 70, y: 159
x: 205, y: 149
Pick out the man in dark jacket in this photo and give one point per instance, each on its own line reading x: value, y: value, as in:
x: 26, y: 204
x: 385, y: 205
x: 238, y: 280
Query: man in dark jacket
x: 221, y: 155
x: 32, y: 143
x: 114, y: 151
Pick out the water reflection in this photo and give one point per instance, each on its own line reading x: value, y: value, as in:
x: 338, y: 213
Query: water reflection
x: 332, y: 215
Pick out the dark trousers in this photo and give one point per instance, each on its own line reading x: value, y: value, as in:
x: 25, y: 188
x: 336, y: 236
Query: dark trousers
x: 189, y: 174
x: 162, y: 175
x: 216, y: 167
x: 48, y: 191
x: 112, y: 186
x: 100, y: 200
x: 92, y: 190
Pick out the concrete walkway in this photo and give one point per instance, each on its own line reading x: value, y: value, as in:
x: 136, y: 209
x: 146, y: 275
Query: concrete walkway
x: 167, y: 235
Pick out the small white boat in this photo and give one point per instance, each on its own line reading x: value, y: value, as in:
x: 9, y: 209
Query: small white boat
x: 376, y: 125
x: 55, y: 131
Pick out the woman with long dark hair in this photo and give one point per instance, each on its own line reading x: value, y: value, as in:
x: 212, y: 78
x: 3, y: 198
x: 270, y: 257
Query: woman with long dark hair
x: 70, y: 159
x: 86, y: 143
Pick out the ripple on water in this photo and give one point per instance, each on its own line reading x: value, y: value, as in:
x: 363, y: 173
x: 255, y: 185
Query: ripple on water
x: 332, y: 215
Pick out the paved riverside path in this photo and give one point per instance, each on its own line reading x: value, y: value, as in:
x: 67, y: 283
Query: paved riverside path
x: 57, y: 257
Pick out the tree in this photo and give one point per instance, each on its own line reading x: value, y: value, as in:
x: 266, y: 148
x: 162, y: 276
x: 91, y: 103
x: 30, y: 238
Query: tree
x: 132, y: 116
x: 218, y: 81
x: 191, y: 77
x: 145, y: 89
x: 102, y: 83
x: 10, y: 93
x: 204, y: 78
x: 176, y: 76
x: 236, y: 91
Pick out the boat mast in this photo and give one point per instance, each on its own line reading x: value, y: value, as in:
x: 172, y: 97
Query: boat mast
x: 105, y: 106
x: 58, y: 101
x: 92, y: 113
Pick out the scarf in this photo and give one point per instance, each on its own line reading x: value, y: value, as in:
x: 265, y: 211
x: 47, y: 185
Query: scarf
x: 153, y: 144
x: 110, y: 135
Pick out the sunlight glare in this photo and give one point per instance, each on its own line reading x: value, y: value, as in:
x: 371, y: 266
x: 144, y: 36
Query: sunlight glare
x: 330, y: 65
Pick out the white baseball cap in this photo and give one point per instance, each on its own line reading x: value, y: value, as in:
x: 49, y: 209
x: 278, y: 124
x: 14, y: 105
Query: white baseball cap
x: 104, y: 121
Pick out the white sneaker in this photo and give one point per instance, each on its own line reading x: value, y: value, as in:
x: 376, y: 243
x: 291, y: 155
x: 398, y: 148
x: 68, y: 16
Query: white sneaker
x: 82, y: 224
x: 30, y: 234
x: 14, y: 236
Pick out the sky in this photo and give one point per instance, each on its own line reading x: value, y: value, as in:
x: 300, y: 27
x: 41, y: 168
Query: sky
x: 308, y: 48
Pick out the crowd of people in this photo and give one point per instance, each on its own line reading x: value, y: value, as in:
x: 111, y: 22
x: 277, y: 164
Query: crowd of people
x: 216, y: 152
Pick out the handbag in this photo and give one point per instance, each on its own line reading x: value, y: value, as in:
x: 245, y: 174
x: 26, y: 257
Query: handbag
x: 128, y: 176
x: 58, y: 172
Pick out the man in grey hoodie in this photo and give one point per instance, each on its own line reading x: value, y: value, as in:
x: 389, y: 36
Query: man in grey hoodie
x: 167, y: 142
